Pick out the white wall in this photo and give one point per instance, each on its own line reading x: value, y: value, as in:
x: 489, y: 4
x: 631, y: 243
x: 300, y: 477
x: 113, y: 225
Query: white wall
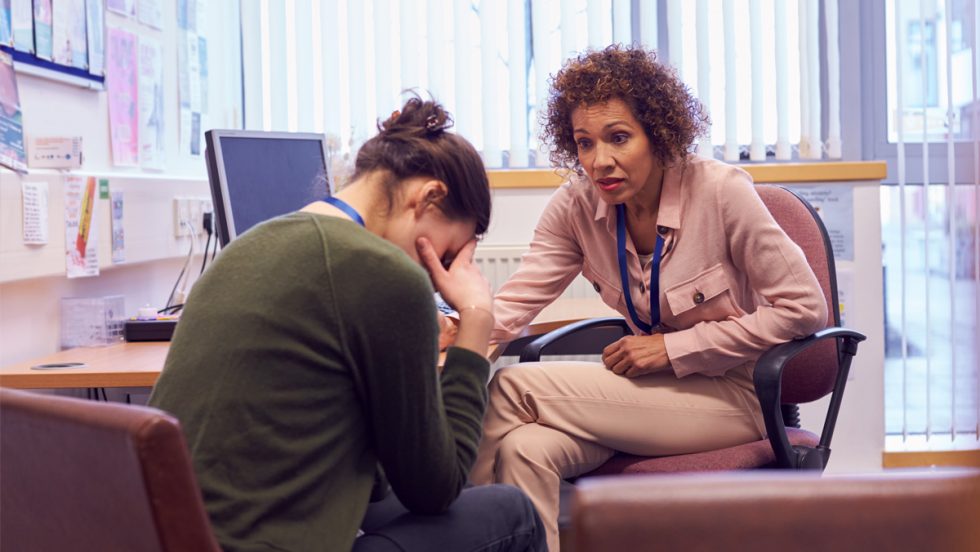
x: 32, y: 278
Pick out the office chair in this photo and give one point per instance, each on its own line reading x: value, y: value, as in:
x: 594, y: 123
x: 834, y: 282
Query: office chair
x: 799, y: 371
x: 83, y: 475
x: 774, y: 511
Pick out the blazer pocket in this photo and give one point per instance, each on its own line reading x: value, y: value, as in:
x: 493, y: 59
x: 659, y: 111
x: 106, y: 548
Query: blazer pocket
x: 610, y: 293
x: 706, y: 296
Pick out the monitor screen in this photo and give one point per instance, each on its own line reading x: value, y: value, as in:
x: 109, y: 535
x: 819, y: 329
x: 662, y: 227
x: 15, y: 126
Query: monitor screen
x: 258, y: 175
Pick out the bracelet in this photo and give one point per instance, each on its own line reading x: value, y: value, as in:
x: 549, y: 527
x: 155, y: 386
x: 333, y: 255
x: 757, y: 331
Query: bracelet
x: 474, y: 307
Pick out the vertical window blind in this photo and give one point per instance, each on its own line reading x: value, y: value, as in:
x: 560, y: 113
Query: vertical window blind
x: 930, y: 225
x: 337, y: 66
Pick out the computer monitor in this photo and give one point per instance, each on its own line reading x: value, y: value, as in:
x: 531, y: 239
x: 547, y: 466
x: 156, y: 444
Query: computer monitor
x: 257, y: 175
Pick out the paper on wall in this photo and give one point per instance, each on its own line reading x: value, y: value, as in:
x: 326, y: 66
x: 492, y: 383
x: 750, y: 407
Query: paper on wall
x: 42, y: 29
x: 12, y: 152
x: 6, y: 36
x: 835, y: 205
x: 81, y: 241
x: 152, y: 130
x: 118, y: 235
x: 189, y: 86
x: 34, y: 201
x: 60, y: 45
x: 121, y: 82
x: 95, y: 35
x: 22, y: 25
x: 122, y: 7
x: 151, y: 13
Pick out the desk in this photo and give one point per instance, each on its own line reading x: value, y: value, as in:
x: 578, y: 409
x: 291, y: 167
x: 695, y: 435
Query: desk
x: 136, y: 364
x: 139, y: 364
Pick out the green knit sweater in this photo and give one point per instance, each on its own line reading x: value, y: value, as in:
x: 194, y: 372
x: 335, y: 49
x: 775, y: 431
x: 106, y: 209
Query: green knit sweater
x: 306, y: 357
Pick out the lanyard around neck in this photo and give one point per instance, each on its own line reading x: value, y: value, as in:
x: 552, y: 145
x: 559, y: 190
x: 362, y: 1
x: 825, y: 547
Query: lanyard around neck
x: 345, y: 207
x: 625, y: 277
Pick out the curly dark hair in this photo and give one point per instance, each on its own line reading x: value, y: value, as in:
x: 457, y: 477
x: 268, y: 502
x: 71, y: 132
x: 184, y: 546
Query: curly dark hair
x: 671, y: 116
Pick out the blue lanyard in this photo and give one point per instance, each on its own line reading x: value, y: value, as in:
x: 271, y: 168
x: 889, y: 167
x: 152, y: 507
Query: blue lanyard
x: 625, y: 277
x: 345, y: 207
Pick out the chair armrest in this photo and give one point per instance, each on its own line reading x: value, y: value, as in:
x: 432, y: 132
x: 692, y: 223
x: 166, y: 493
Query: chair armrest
x: 532, y: 351
x: 768, y: 378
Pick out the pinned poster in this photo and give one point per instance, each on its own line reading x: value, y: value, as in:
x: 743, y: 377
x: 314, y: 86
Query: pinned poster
x: 34, y: 200
x: 835, y: 205
x: 42, y: 29
x: 151, y: 13
x: 81, y: 241
x: 22, y: 25
x: 121, y: 82
x: 118, y: 236
x: 152, y: 118
x: 122, y: 7
x: 78, y: 34
x: 189, y: 88
x: 95, y: 24
x: 6, y: 30
x: 12, y: 152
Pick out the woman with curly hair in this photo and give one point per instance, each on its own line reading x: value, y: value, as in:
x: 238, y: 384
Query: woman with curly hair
x: 682, y: 246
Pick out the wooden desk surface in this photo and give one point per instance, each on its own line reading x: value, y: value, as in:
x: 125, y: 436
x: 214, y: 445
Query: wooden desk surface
x: 139, y: 364
x: 120, y: 365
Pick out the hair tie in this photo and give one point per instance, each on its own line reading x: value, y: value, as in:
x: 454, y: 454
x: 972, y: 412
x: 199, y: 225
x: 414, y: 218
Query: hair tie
x: 432, y: 123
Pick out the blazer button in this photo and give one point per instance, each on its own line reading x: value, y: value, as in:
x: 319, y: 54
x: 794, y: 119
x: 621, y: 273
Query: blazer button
x: 698, y: 298
x: 662, y: 229
x: 595, y: 285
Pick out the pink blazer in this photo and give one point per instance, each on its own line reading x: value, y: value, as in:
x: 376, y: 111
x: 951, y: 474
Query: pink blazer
x: 732, y: 284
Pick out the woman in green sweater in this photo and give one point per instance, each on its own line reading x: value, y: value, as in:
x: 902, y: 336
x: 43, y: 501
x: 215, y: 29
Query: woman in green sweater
x: 306, y: 357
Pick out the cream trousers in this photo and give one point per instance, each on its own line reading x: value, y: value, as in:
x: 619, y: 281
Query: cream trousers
x: 549, y: 421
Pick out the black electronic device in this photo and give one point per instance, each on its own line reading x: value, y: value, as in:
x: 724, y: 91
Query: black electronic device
x: 259, y: 175
x: 149, y: 330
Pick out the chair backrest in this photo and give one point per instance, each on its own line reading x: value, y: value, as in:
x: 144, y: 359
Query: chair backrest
x: 83, y: 475
x: 810, y: 375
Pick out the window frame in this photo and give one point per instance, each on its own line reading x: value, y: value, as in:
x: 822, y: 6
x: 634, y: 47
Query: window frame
x: 875, y: 115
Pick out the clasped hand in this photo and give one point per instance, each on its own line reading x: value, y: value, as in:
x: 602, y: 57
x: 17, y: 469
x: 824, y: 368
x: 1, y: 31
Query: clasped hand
x: 636, y: 355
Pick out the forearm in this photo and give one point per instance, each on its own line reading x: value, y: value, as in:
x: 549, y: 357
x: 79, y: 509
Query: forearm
x: 473, y: 332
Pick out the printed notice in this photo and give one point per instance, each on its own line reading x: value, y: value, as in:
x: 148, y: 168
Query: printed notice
x: 835, y: 205
x: 151, y: 132
x: 95, y: 25
x: 22, y: 25
x: 121, y: 82
x: 35, y: 205
x: 151, y: 13
x: 118, y: 237
x: 81, y: 243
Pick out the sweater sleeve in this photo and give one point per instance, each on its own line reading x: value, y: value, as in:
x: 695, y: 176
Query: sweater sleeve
x: 553, y: 260
x: 775, y: 268
x: 424, y: 428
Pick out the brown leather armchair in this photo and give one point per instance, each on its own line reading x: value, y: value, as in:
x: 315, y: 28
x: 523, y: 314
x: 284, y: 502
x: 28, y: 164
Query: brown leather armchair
x: 776, y: 511
x: 83, y: 475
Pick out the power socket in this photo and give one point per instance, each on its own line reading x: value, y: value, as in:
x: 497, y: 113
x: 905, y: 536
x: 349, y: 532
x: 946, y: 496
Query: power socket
x: 190, y: 211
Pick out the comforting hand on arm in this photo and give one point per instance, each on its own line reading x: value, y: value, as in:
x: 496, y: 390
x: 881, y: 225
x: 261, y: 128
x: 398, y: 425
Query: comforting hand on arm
x: 636, y: 355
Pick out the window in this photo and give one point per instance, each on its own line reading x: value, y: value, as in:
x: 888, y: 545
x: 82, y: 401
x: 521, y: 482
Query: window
x: 930, y: 205
x: 489, y: 63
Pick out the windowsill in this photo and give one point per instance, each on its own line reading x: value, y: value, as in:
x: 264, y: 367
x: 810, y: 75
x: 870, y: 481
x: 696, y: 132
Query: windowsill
x: 939, y: 450
x: 781, y: 173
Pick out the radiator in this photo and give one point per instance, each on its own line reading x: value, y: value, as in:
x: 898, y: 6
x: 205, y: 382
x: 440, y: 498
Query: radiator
x: 498, y: 262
